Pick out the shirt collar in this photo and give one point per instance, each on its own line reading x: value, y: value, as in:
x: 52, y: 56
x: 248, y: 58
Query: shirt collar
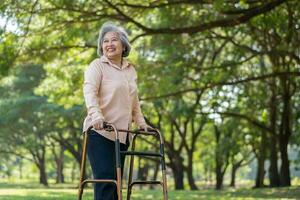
x: 125, y: 63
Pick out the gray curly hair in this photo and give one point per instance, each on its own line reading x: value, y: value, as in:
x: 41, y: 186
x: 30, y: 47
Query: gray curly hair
x: 110, y: 27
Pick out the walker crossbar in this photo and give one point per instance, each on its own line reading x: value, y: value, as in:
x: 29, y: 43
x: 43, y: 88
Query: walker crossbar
x: 137, y: 153
x: 145, y: 182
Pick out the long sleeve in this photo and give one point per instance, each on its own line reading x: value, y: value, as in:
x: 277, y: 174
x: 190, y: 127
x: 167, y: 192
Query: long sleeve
x: 137, y: 115
x: 91, y: 87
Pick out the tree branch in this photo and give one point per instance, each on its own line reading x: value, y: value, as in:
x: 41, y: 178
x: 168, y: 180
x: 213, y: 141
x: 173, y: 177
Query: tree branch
x: 229, y: 22
x: 212, y: 85
x: 244, y: 117
x: 161, y: 5
x: 16, y: 154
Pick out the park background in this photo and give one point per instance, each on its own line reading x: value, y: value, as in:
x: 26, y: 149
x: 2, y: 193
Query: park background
x: 219, y: 78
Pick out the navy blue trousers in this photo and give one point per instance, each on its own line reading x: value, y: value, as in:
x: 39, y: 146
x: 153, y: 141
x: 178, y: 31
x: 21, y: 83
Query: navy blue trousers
x: 101, y: 153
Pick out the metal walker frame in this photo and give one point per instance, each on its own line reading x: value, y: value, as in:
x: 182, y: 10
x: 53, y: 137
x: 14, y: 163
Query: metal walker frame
x: 132, y: 153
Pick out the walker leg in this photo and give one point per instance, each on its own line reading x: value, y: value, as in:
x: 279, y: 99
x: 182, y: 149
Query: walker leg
x: 118, y: 168
x: 163, y: 168
x: 119, y: 183
x: 165, y: 185
x: 129, y: 188
x: 80, y: 193
x: 82, y: 167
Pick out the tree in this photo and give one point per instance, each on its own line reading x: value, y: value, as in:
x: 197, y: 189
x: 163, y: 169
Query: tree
x: 23, y: 116
x: 186, y: 52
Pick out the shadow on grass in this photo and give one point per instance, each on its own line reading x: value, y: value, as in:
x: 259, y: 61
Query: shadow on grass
x: 19, y: 192
x: 269, y: 193
x: 35, y: 185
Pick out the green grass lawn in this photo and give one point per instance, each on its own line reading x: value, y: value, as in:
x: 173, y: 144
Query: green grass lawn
x: 66, y: 192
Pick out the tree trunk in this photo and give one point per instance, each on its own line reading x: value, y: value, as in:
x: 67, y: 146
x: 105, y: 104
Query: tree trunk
x: 220, y: 168
x: 178, y: 178
x: 260, y: 174
x: 177, y: 167
x: 261, y: 157
x: 284, y: 135
x: 176, y: 161
x: 285, y: 166
x: 233, y: 175
x: 190, y: 171
x: 60, y: 166
x: 220, y: 171
x: 39, y: 160
x: 219, y: 176
x: 190, y: 150
x: 43, y: 174
x: 273, y: 169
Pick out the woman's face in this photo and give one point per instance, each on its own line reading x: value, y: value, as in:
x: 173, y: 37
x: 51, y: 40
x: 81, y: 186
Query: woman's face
x: 112, y: 46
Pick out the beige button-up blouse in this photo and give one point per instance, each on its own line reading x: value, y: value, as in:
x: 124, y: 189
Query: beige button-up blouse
x: 111, y: 94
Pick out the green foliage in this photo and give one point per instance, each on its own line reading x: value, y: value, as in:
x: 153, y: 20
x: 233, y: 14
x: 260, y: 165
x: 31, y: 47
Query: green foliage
x: 8, y: 53
x: 230, y: 68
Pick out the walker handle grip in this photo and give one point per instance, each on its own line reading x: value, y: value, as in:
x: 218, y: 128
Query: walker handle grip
x: 107, y: 126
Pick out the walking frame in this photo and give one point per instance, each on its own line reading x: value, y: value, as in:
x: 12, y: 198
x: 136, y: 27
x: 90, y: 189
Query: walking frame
x: 132, y: 153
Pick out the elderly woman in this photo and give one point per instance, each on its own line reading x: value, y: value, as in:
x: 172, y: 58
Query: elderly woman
x: 110, y: 94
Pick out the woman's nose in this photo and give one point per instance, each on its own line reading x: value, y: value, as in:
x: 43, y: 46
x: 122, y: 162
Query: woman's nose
x: 110, y: 43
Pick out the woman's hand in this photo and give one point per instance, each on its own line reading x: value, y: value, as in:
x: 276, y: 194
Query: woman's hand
x: 98, y: 124
x: 147, y: 128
